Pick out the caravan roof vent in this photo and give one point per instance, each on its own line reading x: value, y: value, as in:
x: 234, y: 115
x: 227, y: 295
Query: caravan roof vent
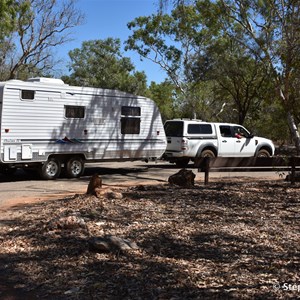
x: 46, y: 80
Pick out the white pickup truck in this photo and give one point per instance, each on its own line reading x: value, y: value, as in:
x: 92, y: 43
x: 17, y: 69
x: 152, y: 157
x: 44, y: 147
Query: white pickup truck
x: 188, y: 139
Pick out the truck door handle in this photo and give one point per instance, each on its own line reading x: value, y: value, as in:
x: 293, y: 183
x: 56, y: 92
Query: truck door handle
x: 238, y: 141
x: 224, y: 141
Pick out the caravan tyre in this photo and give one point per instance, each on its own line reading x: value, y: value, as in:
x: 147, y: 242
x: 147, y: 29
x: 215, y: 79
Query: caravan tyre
x: 7, y: 171
x: 74, y: 167
x: 50, y: 169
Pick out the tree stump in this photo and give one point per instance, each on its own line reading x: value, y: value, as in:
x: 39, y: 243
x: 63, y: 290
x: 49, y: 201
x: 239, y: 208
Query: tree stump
x: 95, y: 185
x: 185, y: 178
x: 297, y: 177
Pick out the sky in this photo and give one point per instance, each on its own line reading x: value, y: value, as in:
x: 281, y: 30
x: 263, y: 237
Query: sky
x: 109, y: 18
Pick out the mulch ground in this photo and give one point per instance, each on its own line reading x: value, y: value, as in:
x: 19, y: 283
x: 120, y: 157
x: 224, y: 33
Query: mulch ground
x: 230, y: 240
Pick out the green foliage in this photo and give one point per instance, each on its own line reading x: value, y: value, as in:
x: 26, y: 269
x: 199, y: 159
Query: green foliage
x: 100, y: 63
x: 244, y: 88
x: 148, y: 40
x: 270, y: 122
x: 163, y: 95
x: 8, y: 14
x: 11, y: 12
x: 174, y: 41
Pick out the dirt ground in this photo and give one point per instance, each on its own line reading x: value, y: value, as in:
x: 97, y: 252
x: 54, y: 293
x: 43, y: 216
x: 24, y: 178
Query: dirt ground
x: 229, y: 240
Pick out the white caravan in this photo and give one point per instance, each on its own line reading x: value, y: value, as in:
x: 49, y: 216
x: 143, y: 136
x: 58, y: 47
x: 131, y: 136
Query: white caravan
x: 49, y: 125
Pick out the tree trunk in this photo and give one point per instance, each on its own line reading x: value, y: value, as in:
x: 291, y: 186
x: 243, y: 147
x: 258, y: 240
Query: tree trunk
x: 294, y: 131
x: 291, y: 122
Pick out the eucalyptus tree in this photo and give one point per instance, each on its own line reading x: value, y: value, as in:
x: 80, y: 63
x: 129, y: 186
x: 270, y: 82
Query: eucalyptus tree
x: 270, y: 32
x: 242, y: 81
x: 171, y: 41
x: 8, y: 16
x: 39, y: 27
x: 191, y: 45
x: 100, y: 63
x: 9, y: 11
x: 163, y: 95
x: 271, y: 28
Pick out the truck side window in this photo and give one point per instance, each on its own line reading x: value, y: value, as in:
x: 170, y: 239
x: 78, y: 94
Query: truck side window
x: 240, y: 131
x: 225, y: 131
x: 130, y: 119
x: 199, y: 129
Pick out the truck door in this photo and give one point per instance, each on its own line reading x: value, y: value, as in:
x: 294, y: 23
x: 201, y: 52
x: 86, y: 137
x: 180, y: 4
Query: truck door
x: 245, y: 143
x: 227, y: 141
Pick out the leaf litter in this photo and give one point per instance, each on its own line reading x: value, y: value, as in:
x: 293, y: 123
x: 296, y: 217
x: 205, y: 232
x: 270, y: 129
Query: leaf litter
x: 227, y: 240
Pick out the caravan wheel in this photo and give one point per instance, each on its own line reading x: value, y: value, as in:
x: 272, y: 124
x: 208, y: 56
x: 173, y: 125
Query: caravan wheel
x: 74, y: 167
x: 50, y: 169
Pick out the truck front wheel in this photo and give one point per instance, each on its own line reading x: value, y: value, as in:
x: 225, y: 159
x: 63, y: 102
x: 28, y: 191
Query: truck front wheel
x: 50, y: 169
x: 74, y: 167
x: 207, y: 153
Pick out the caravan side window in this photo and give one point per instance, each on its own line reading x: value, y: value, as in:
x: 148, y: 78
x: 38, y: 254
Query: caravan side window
x: 130, y: 119
x: 76, y: 112
x: 27, y: 95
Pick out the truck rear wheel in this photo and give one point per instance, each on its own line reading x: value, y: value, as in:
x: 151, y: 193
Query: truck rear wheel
x: 50, y: 169
x: 263, y: 153
x: 207, y: 153
x: 74, y: 167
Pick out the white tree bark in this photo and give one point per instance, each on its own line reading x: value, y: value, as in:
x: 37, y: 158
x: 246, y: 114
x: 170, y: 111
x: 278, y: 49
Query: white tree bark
x: 294, y: 131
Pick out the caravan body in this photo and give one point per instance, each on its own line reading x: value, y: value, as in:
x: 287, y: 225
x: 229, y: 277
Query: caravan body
x: 47, y: 124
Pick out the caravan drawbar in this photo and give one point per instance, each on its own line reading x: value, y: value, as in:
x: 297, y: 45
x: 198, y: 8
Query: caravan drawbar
x: 49, y: 125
